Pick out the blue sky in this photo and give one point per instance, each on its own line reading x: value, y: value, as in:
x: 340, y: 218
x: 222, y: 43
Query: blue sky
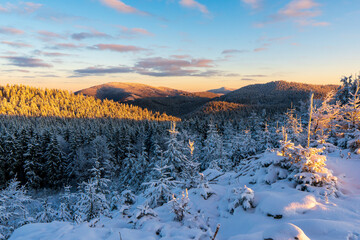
x: 185, y: 44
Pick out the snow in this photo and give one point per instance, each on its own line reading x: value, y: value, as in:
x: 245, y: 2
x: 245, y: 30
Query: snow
x: 279, y: 212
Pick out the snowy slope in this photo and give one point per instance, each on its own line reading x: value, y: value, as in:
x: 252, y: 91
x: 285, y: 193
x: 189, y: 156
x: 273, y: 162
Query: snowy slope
x: 280, y: 212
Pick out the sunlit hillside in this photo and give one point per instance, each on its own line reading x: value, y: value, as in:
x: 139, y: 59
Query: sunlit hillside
x: 29, y: 101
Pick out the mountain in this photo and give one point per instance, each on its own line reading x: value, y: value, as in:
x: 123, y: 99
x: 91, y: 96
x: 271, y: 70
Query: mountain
x: 222, y: 90
x: 273, y: 96
x: 156, y: 99
x: 122, y: 92
x: 35, y: 102
x: 278, y: 94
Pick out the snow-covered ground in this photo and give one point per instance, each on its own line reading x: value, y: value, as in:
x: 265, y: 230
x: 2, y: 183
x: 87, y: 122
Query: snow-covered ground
x: 280, y: 212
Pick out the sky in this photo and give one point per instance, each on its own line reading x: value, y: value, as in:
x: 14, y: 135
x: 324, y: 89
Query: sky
x: 191, y: 45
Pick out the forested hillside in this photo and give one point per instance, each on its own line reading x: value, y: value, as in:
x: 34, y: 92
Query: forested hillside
x: 123, y: 92
x: 275, y: 97
x: 157, y: 99
x: 140, y: 179
x: 280, y: 94
x: 18, y: 100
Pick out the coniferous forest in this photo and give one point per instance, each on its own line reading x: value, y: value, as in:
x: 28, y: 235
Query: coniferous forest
x: 98, y: 164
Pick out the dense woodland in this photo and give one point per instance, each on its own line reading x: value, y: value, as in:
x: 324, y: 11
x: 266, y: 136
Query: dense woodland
x: 33, y: 102
x: 73, y: 148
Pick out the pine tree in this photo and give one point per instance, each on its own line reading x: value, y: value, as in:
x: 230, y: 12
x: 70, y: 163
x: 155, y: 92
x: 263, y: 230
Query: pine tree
x: 174, y: 157
x: 91, y: 202
x: 212, y: 151
x: 13, y: 210
x: 159, y: 189
x: 32, y: 165
x: 47, y: 214
x: 66, y: 209
x: 55, y: 166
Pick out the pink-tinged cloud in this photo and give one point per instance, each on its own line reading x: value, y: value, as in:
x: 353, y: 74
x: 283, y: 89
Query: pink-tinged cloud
x: 300, y: 8
x: 133, y: 32
x: 16, y: 44
x: 180, y: 56
x: 30, y: 7
x: 11, y: 31
x: 51, y: 54
x: 253, y: 3
x: 260, y: 49
x: 67, y: 46
x: 158, y: 67
x: 202, y: 63
x: 49, y: 34
x: 92, y: 34
x: 21, y: 7
x: 118, y: 48
x: 26, y: 62
x: 103, y: 70
x: 162, y: 67
x: 55, y: 54
x: 302, y: 12
x: 232, y: 51
x: 122, y: 7
x: 195, y: 5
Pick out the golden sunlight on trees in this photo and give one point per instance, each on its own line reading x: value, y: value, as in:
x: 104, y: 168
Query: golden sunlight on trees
x: 34, y: 102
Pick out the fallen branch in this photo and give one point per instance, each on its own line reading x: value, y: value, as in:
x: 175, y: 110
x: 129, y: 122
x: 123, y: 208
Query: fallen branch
x: 216, y: 232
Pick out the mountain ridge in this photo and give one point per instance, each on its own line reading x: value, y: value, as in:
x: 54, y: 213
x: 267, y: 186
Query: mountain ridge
x: 276, y: 95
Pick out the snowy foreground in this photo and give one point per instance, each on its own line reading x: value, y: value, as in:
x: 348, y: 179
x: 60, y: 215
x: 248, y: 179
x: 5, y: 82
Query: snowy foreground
x: 278, y: 211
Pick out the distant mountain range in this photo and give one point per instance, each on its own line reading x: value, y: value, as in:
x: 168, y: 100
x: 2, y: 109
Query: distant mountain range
x: 277, y: 95
x: 222, y: 90
x: 159, y: 99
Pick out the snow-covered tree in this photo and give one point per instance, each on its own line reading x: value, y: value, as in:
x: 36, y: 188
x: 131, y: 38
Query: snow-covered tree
x: 243, y: 197
x: 204, y: 188
x: 47, y: 214
x: 159, y: 189
x: 66, y: 208
x: 181, y: 206
x: 13, y: 210
x: 213, y: 148
x: 174, y: 157
x: 91, y: 202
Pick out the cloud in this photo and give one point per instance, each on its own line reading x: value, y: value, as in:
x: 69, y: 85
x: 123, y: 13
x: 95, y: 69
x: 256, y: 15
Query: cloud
x: 93, y: 34
x: 260, y: 49
x: 253, y: 3
x: 11, y: 31
x: 55, y: 16
x: 21, y: 8
x: 17, y: 70
x: 50, y: 35
x: 195, y: 5
x: 122, y: 7
x: 16, y: 44
x: 162, y: 67
x: 255, y: 76
x: 158, y: 67
x: 49, y: 76
x: 26, y: 62
x: 180, y: 56
x: 159, y: 63
x: 103, y: 70
x: 302, y: 12
x: 134, y: 32
x: 51, y: 54
x: 232, y: 51
x: 67, y: 46
x: 117, y: 48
